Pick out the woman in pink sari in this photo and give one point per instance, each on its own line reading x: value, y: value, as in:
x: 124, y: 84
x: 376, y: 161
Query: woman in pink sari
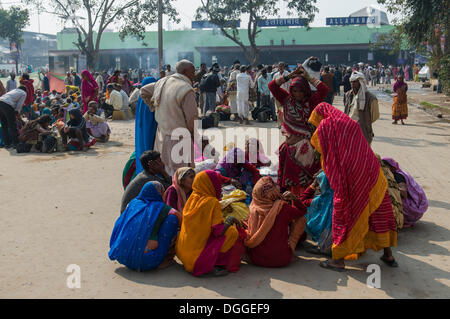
x: 89, y: 89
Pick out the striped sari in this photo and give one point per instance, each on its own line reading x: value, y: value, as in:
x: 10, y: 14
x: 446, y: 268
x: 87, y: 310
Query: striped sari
x: 362, y: 212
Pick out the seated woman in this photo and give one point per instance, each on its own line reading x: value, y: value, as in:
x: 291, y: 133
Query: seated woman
x: 414, y: 200
x: 269, y: 241
x: 34, y: 133
x: 234, y: 166
x: 96, y: 126
x: 254, y: 146
x: 318, y: 197
x: 75, y: 128
x: 144, y: 236
x: 178, y: 193
x: 207, y: 244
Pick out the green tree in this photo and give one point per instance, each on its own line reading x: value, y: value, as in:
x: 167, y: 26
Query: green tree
x: 425, y: 23
x: 221, y: 12
x: 12, y: 23
x: 92, y: 17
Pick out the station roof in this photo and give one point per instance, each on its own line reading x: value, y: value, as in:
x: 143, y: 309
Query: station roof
x: 188, y: 40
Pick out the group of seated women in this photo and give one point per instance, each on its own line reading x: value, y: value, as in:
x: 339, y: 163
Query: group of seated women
x: 349, y: 207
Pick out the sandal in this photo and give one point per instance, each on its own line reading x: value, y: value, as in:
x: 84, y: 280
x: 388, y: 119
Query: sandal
x: 391, y: 263
x: 326, y: 264
x: 314, y: 250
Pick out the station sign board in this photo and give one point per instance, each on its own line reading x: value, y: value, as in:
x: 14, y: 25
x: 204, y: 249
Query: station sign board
x: 295, y: 22
x: 351, y: 20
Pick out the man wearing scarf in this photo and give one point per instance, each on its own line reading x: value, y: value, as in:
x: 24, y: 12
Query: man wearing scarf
x: 361, y: 105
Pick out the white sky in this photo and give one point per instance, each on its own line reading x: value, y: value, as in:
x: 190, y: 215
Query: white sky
x: 186, y: 8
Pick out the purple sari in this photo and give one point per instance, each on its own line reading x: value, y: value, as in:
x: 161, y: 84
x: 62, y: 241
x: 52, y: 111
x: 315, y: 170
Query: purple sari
x: 416, y: 204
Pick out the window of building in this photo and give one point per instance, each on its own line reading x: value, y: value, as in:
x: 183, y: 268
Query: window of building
x: 326, y: 57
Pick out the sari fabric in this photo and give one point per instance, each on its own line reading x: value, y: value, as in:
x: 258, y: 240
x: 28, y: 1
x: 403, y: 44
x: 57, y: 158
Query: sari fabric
x: 145, y: 127
x: 199, y: 243
x: 320, y: 214
x: 234, y: 165
x: 265, y: 207
x: 88, y: 88
x: 362, y: 211
x: 416, y: 204
x: 400, y: 105
x: 133, y: 228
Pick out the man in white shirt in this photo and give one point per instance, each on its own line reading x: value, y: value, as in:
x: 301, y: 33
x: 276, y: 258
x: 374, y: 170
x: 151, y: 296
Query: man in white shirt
x: 10, y: 104
x: 115, y: 97
x: 125, y: 99
x: 244, y: 83
x: 11, y: 84
x: 100, y: 81
x: 281, y: 73
x: 169, y: 70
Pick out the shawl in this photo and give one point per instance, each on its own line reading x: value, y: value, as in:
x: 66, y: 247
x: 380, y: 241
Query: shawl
x: 200, y: 214
x: 358, y: 182
x: 320, y: 212
x: 400, y: 85
x: 134, y: 226
x: 176, y: 181
x: 416, y: 204
x: 145, y: 127
x: 232, y: 205
x: 295, y: 115
x: 159, y: 86
x: 88, y: 88
x: 360, y: 98
x: 265, y: 207
x: 46, y: 111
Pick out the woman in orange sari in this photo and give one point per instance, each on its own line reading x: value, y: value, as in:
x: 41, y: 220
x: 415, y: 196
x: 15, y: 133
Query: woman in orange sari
x: 400, y: 105
x: 207, y: 244
x: 362, y: 212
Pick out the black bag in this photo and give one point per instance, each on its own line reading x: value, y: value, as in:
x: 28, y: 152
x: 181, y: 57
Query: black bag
x: 49, y: 144
x: 23, y: 148
x: 207, y: 122
x: 263, y: 116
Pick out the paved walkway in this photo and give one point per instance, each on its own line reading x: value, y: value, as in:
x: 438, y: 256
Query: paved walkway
x: 60, y: 209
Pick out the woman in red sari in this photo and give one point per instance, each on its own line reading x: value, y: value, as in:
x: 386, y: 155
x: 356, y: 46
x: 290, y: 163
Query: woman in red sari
x: 362, y: 212
x: 89, y: 89
x: 269, y: 241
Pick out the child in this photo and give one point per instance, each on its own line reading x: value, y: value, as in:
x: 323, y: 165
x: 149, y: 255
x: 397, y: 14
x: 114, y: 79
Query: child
x: 96, y: 125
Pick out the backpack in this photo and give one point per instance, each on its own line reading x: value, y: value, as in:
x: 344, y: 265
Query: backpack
x: 49, y: 144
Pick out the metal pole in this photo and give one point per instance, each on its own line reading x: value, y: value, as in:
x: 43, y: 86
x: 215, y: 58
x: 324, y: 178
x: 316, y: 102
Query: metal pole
x: 160, y: 35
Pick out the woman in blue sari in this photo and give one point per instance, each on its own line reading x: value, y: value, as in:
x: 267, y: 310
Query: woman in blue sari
x: 46, y: 111
x: 145, y: 128
x: 145, y: 233
x: 320, y: 214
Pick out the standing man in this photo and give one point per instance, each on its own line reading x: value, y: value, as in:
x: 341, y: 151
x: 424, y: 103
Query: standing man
x: 169, y: 70
x: 232, y: 91
x: 264, y: 92
x: 100, y: 81
x: 209, y: 85
x: 197, y: 79
x: 45, y: 82
x: 11, y: 104
x: 346, y: 82
x: 281, y: 73
x: 76, y: 79
x: 244, y: 83
x: 175, y: 108
x: 361, y: 105
x: 11, y: 84
x: 68, y: 80
x: 327, y: 78
x: 338, y: 80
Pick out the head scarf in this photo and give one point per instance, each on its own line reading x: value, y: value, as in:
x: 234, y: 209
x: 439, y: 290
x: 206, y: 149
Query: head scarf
x: 176, y: 183
x: 301, y: 83
x: 320, y: 213
x: 265, y: 207
x: 416, y: 204
x: 362, y: 212
x: 360, y: 98
x: 134, y: 226
x: 46, y: 111
x: 88, y: 88
x: 78, y: 120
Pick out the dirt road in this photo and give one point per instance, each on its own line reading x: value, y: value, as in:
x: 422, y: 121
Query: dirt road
x: 57, y: 210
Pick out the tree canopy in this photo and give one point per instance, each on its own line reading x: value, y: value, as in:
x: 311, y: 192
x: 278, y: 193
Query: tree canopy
x: 221, y: 12
x: 92, y: 17
x: 12, y: 24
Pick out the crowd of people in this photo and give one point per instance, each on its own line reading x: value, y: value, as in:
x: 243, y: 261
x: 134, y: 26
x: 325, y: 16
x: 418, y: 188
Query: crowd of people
x: 215, y: 210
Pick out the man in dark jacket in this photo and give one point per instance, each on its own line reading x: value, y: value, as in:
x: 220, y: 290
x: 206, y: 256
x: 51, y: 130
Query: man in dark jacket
x: 346, y: 82
x: 209, y: 85
x: 76, y: 79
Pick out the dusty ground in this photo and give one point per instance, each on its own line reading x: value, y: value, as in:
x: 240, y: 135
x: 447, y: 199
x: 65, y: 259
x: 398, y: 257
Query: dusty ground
x: 57, y: 210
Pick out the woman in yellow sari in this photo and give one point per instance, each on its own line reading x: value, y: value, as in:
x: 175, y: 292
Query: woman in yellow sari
x: 207, y: 244
x: 400, y: 105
